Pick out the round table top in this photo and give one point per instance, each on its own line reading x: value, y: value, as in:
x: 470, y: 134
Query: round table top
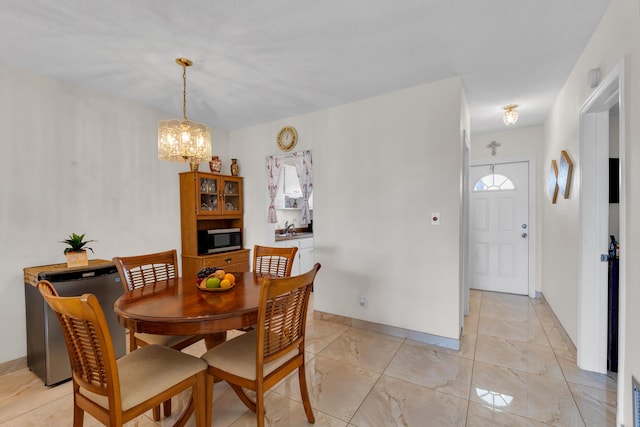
x: 178, y: 307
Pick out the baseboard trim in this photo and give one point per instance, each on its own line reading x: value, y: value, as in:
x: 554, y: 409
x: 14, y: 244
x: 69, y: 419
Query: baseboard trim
x: 449, y: 343
x: 13, y: 365
x: 540, y: 295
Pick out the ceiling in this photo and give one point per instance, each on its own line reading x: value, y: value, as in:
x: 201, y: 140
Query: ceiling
x: 259, y: 61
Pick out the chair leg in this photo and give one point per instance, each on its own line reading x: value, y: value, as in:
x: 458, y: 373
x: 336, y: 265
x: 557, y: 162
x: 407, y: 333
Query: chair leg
x: 302, y: 379
x: 260, y: 413
x: 156, y: 413
x: 132, y: 341
x: 209, y: 400
x: 197, y: 404
x: 167, y: 407
x: 78, y: 416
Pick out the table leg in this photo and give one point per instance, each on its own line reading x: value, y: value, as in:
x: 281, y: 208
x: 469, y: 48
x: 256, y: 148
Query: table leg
x: 212, y: 340
x: 186, y: 414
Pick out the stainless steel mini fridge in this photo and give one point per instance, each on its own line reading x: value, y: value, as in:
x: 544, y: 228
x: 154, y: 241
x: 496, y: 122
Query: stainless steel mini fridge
x: 47, y: 353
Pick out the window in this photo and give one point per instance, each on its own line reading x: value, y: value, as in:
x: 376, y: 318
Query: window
x: 494, y: 182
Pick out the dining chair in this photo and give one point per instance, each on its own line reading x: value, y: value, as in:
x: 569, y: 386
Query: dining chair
x: 117, y: 391
x: 259, y: 359
x: 145, y: 270
x: 275, y: 261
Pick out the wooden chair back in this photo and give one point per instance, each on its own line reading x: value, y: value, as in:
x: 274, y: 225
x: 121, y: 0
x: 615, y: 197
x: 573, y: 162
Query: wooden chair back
x: 274, y: 261
x: 91, y: 353
x: 145, y: 270
x: 142, y: 270
x: 282, y: 315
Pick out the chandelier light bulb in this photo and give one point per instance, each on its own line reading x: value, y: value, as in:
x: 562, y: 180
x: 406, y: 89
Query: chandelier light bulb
x: 510, y: 115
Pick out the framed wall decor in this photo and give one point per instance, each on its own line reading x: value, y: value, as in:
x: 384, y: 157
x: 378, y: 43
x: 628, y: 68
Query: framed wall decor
x: 552, y: 182
x: 564, y: 174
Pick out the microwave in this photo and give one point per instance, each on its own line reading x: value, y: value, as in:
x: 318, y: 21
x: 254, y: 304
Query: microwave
x: 219, y: 240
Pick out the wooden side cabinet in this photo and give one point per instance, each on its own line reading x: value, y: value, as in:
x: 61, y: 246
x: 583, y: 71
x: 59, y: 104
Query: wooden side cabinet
x: 229, y: 261
x: 210, y: 201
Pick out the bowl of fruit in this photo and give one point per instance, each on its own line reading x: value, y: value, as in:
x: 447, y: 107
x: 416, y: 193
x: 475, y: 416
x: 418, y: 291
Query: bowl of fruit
x: 213, y: 279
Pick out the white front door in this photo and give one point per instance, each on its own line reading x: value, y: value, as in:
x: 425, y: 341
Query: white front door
x: 499, y: 227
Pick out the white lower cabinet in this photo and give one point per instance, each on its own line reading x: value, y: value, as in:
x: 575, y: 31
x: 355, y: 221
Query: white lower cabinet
x: 303, y: 261
x: 305, y: 255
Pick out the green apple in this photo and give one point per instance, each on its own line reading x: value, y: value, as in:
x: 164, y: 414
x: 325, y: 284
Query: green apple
x: 213, y: 282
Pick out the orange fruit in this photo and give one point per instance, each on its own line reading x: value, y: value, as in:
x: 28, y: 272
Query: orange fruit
x: 230, y: 277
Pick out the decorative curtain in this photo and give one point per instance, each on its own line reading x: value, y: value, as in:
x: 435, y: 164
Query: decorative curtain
x: 304, y: 169
x: 274, y: 166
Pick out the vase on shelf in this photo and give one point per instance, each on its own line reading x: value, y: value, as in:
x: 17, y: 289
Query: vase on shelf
x: 234, y: 167
x: 215, y: 165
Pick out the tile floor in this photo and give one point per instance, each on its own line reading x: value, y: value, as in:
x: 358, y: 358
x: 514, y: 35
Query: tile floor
x: 515, y: 369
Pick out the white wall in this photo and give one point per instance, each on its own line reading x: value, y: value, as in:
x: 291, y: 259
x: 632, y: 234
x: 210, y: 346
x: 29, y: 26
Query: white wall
x: 517, y: 144
x: 75, y: 161
x: 616, y: 36
x: 380, y: 167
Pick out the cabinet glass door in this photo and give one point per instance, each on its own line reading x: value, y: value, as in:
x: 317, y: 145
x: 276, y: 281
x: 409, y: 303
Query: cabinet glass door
x: 231, y: 191
x: 209, y: 195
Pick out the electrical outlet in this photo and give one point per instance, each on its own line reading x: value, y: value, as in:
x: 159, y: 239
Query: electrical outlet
x: 363, y: 301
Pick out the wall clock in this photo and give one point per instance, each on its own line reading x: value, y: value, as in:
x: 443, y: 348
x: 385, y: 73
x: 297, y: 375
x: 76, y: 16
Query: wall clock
x: 287, y: 138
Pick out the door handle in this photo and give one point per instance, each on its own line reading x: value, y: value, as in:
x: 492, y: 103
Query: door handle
x: 524, y: 235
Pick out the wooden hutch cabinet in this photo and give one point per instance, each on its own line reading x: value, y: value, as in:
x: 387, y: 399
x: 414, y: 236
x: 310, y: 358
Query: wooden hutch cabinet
x: 209, y: 202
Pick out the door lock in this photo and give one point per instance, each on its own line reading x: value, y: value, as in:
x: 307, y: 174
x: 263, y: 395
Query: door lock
x: 524, y: 225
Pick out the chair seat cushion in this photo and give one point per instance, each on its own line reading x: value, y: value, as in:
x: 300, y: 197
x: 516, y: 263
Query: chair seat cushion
x: 238, y: 357
x: 147, y: 372
x: 165, y: 340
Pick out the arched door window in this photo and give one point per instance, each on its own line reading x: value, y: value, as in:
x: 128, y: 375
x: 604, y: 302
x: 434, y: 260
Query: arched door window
x: 494, y: 182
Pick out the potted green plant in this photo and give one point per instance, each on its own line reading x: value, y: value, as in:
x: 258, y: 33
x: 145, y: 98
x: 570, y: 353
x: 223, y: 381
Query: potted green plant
x: 76, y: 253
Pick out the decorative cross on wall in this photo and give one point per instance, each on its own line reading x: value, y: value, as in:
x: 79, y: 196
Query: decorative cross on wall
x: 493, y: 147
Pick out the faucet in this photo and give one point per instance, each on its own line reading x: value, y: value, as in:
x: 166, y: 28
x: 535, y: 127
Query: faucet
x: 287, y: 226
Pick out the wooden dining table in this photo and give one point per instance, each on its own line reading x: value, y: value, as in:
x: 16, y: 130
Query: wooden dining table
x: 179, y: 307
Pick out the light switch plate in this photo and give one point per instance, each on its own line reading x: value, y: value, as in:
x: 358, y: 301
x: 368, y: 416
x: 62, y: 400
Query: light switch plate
x: 435, y: 218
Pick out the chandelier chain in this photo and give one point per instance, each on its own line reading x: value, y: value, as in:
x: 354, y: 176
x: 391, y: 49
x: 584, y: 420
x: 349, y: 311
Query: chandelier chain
x: 184, y: 91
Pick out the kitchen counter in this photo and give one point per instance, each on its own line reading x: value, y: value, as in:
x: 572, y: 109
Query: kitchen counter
x: 301, y: 235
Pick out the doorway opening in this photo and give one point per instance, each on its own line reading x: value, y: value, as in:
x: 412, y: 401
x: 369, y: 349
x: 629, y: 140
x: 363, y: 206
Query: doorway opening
x: 595, y: 135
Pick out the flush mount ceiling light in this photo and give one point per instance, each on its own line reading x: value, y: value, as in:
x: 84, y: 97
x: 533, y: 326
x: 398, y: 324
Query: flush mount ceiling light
x: 182, y: 140
x: 510, y: 115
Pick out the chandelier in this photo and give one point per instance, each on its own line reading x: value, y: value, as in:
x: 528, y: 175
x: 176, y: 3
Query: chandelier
x: 182, y: 140
x: 510, y: 115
